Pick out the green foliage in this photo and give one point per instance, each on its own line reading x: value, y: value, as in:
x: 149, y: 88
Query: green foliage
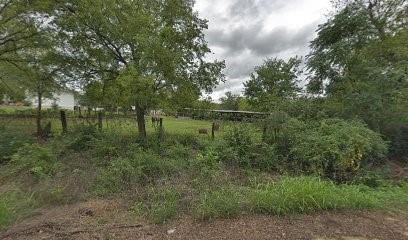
x: 239, y: 145
x: 10, y: 142
x: 297, y: 195
x: 359, y: 61
x: 108, y: 145
x: 333, y: 148
x: 35, y: 159
x: 159, y: 53
x: 273, y: 83
x: 207, y: 163
x: 82, y: 137
x: 336, y: 149
x: 164, y: 206
x: 306, y: 195
x: 138, y: 167
x: 222, y: 203
x: 230, y: 102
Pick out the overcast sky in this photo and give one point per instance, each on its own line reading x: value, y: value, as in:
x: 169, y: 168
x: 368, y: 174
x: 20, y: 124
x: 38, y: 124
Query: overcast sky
x: 245, y: 32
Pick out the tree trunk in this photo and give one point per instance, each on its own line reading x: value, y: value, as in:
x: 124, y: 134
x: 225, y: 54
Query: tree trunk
x: 141, y: 124
x: 39, y: 116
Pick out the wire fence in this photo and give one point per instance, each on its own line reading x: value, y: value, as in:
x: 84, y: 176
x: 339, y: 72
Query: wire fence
x: 66, y: 121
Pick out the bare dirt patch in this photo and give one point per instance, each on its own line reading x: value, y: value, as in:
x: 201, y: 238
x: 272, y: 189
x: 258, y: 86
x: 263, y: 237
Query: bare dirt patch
x: 109, y: 219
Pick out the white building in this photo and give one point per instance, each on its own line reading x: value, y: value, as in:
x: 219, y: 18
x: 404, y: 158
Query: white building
x: 63, y: 99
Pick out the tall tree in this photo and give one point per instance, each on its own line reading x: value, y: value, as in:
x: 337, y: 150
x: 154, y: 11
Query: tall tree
x: 353, y: 25
x: 359, y: 61
x: 273, y: 83
x: 157, y: 47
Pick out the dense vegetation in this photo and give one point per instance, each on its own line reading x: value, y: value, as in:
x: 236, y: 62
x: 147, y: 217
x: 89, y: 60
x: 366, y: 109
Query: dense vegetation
x: 239, y: 172
x: 322, y: 147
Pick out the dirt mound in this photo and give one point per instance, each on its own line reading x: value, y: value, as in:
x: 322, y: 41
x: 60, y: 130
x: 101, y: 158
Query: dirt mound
x: 109, y: 219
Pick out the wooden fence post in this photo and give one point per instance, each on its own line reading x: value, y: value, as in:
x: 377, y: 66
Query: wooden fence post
x: 100, y: 119
x: 64, y: 121
x: 264, y: 129
x: 161, y: 128
x: 213, y: 130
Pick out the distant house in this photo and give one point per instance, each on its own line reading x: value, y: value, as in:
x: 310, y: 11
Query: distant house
x: 63, y: 99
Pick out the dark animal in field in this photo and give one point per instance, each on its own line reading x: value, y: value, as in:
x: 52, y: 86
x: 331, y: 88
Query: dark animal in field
x: 203, y: 131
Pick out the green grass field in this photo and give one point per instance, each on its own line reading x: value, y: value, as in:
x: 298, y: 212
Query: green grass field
x: 124, y: 125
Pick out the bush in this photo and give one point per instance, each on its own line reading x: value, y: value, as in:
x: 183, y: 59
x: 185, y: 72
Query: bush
x: 82, y: 137
x: 336, y: 149
x: 36, y: 160
x: 207, y: 163
x: 239, y: 146
x: 307, y: 194
x: 222, y: 203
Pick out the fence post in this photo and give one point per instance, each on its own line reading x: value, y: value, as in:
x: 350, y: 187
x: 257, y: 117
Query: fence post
x: 264, y: 129
x: 100, y: 118
x: 213, y: 131
x: 160, y: 128
x: 63, y: 121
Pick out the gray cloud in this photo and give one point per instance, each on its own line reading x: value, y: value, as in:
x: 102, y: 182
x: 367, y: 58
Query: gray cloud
x: 258, y: 42
x: 253, y: 8
x: 246, y: 32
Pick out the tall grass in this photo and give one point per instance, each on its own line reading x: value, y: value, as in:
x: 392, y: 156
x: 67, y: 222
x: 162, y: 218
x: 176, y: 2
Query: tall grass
x: 308, y: 194
x: 225, y: 202
x: 162, y: 206
x: 298, y: 195
x: 12, y: 205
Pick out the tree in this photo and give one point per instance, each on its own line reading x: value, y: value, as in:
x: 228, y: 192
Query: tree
x: 27, y: 52
x: 359, y: 62
x: 230, y: 101
x: 152, y: 48
x: 273, y: 83
x: 354, y: 24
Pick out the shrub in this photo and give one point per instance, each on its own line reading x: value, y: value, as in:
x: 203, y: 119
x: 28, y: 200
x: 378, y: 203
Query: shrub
x: 239, y: 146
x: 82, y: 137
x: 336, y: 149
x: 307, y: 194
x: 224, y: 203
x: 207, y: 163
x: 36, y: 160
x: 281, y: 131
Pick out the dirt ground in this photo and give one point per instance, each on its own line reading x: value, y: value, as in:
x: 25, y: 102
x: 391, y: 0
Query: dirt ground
x: 108, y: 219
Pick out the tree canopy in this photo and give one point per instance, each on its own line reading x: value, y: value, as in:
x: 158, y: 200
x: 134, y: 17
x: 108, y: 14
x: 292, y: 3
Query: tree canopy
x: 272, y: 83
